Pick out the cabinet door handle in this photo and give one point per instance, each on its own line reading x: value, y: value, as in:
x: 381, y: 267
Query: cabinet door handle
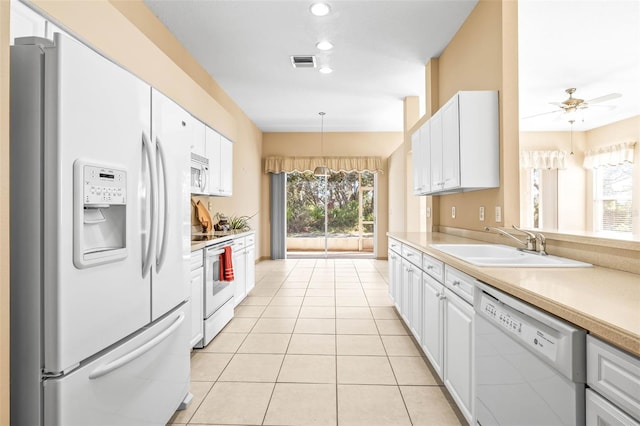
x: 430, y: 267
x: 456, y: 282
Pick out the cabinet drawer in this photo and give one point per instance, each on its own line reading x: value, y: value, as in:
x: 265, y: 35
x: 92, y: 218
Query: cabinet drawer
x: 395, y: 246
x: 602, y: 412
x: 250, y: 240
x: 614, y: 374
x: 238, y: 244
x: 459, y: 282
x: 433, y: 267
x: 196, y: 259
x: 412, y: 255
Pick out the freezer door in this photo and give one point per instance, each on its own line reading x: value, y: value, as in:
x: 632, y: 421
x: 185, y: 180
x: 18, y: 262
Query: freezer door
x: 141, y: 382
x: 97, y: 112
x: 172, y: 132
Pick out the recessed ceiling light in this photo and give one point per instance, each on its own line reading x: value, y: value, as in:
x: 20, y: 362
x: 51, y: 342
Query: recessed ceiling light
x: 325, y: 69
x: 320, y: 9
x: 324, y: 45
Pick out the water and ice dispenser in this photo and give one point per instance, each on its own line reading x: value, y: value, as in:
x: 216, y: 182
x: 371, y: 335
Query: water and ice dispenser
x: 100, y: 214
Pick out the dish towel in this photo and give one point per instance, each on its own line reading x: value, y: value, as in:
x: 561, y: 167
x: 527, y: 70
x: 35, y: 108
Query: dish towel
x: 226, y: 265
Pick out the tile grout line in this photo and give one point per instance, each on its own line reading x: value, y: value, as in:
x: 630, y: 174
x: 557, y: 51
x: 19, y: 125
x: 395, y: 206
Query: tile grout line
x: 273, y: 389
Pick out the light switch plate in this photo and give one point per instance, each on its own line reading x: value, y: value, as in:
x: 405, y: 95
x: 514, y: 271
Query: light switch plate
x: 481, y: 215
x: 428, y: 212
x: 498, y: 214
x: 453, y: 212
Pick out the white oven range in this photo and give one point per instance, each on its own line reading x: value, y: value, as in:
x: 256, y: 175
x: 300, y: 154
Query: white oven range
x: 218, y: 294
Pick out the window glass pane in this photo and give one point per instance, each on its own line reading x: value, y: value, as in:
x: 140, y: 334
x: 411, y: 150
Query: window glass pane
x: 612, y: 197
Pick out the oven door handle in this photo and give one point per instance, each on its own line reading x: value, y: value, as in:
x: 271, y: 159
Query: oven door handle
x: 215, y: 253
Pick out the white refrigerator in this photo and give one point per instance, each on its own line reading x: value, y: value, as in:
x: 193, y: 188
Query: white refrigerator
x: 99, y: 241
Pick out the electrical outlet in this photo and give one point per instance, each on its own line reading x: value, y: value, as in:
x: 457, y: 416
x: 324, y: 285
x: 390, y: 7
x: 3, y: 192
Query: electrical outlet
x: 453, y: 212
x: 428, y: 212
x: 498, y: 214
x: 210, y: 206
x: 481, y: 214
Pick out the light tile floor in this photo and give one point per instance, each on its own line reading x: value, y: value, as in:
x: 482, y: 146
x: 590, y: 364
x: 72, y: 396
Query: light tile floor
x: 317, y: 342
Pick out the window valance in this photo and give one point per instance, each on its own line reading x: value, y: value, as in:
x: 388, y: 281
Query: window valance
x: 542, y: 160
x: 609, y: 155
x: 307, y: 164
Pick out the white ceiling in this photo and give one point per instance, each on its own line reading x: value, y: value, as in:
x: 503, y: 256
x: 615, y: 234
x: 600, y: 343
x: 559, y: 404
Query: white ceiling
x: 592, y: 45
x: 380, y: 51
x: 378, y: 59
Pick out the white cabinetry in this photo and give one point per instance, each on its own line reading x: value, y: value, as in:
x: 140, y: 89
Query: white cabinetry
x: 25, y: 22
x: 458, y: 339
x: 435, y: 301
x: 239, y: 271
x: 250, y: 262
x: 219, y: 151
x: 421, y: 159
x: 435, y: 159
x: 198, y: 138
x: 432, y: 321
x: 395, y: 271
x: 458, y: 351
x: 463, y: 145
x: 197, y: 283
x: 614, y: 378
x: 226, y: 169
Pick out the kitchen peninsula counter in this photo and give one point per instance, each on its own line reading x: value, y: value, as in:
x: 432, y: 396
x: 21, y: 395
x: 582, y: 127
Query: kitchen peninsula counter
x: 603, y: 301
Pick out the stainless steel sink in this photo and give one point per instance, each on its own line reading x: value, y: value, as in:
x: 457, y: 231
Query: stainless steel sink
x: 505, y: 256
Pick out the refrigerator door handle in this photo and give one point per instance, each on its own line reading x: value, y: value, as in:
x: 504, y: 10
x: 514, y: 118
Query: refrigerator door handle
x: 165, y: 227
x: 139, y: 351
x: 153, y: 230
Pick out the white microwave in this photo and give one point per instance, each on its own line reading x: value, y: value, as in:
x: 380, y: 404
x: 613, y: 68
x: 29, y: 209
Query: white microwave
x: 199, y: 174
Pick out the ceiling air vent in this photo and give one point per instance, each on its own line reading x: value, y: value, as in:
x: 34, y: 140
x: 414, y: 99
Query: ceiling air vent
x: 303, y: 61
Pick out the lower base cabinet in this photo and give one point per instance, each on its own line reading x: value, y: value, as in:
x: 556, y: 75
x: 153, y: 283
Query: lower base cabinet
x: 440, y: 319
x: 239, y: 272
x: 432, y: 318
x: 458, y: 351
x: 196, y: 286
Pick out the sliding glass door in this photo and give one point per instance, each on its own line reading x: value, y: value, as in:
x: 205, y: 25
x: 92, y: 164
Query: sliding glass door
x: 330, y: 215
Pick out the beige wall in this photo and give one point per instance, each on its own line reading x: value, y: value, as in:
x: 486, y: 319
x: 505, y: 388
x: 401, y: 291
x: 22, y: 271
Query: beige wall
x: 397, y: 176
x: 380, y: 144
x: 483, y: 56
x: 4, y: 212
x: 575, y: 206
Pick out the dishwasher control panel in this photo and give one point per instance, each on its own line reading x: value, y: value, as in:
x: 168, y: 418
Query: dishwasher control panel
x: 518, y: 327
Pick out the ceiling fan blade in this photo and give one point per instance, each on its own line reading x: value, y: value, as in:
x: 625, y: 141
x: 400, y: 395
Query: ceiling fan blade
x: 604, y: 98
x: 542, y: 113
x: 559, y: 104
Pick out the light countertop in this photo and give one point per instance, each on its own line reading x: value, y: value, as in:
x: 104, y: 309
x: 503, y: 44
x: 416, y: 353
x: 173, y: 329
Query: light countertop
x: 207, y: 239
x: 605, y: 302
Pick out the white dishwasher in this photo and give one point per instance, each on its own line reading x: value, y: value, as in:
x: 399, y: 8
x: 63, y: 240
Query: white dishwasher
x: 530, y: 365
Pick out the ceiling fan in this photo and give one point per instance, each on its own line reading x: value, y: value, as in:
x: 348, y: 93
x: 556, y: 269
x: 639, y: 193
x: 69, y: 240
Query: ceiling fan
x: 572, y: 105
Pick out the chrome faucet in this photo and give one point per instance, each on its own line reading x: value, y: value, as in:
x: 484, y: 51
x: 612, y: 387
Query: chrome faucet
x: 541, y: 243
x: 529, y: 243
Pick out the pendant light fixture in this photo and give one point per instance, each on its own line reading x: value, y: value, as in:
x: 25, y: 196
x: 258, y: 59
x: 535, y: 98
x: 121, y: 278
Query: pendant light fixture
x: 571, y: 122
x: 321, y: 170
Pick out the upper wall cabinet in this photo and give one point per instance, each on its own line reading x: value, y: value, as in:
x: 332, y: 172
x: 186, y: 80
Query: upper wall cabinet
x: 461, y: 151
x: 219, y: 150
x: 421, y: 160
x: 198, y: 139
